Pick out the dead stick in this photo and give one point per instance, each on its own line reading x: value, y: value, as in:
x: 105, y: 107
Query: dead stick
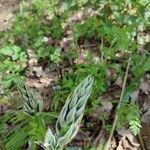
x: 119, y: 104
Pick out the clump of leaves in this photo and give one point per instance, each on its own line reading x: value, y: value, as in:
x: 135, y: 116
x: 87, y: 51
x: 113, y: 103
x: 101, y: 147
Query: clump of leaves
x: 12, y: 63
x: 31, y: 105
x: 29, y: 123
x: 76, y: 75
x: 14, y: 52
x: 68, y: 122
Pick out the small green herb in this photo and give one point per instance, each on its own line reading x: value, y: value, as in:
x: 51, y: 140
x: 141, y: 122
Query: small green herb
x: 70, y: 117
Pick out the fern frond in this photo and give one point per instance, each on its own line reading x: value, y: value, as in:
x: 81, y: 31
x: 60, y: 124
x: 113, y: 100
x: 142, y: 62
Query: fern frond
x: 24, y: 128
x: 16, y: 139
x: 130, y: 114
x: 37, y: 128
x: 135, y: 126
x: 14, y: 135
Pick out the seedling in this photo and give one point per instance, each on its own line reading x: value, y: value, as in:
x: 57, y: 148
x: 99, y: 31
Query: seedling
x: 70, y: 117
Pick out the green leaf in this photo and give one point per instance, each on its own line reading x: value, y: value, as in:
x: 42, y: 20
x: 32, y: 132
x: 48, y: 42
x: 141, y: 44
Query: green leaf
x: 72, y: 112
x: 50, y: 140
x: 7, y: 51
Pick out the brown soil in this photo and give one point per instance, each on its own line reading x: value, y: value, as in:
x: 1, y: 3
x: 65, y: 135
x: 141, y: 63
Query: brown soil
x: 7, y: 7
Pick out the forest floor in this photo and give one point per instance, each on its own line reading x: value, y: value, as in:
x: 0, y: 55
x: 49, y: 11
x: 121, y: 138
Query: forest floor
x: 142, y: 94
x: 7, y: 7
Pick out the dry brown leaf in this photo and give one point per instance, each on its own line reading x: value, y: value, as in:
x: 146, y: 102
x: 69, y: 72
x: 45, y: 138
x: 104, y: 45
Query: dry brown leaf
x: 119, y: 81
x: 82, y: 55
x: 111, y: 73
x: 32, y: 58
x: 113, y: 144
x: 38, y: 71
x: 106, y: 106
x: 32, y: 62
x: 127, y: 140
x: 134, y: 95
x: 3, y: 108
x: 66, y: 42
x: 145, y: 84
x: 6, y: 13
x: 146, y: 117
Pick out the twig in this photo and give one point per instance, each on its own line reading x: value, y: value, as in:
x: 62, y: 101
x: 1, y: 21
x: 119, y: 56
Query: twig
x: 88, y: 45
x: 101, y: 49
x: 141, y: 141
x: 119, y: 104
x: 96, y: 140
x: 86, y: 136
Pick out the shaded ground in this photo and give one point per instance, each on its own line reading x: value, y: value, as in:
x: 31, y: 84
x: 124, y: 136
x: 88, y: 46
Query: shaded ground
x: 7, y: 7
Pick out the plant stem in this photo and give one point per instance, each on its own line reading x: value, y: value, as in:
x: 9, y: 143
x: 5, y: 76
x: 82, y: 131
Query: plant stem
x: 119, y: 104
x: 141, y: 142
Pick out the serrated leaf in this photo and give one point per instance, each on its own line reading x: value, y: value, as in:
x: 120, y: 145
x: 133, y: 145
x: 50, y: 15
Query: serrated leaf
x: 135, y: 126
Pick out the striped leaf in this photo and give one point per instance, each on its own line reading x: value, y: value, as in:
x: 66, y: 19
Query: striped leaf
x: 72, y: 112
x: 31, y: 104
x: 50, y: 142
x: 70, y: 117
